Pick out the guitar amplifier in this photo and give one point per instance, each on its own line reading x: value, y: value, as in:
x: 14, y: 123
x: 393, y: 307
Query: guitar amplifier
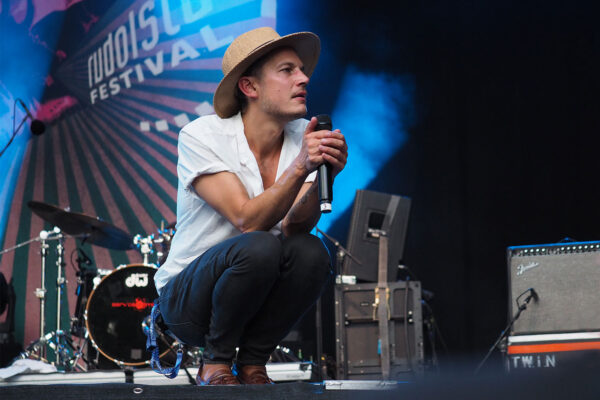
x: 566, y: 278
x: 358, y: 348
x: 563, y: 351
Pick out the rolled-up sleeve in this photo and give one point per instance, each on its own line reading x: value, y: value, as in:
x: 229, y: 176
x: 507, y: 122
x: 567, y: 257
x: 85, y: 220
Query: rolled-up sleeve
x: 195, y: 159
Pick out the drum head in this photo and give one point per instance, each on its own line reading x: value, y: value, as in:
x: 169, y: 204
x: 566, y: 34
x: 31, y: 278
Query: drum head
x: 116, y: 312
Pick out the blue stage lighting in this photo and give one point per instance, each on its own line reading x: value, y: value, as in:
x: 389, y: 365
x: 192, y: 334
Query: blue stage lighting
x: 373, y: 111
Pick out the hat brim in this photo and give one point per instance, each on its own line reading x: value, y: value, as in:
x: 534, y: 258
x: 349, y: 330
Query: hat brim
x: 307, y: 46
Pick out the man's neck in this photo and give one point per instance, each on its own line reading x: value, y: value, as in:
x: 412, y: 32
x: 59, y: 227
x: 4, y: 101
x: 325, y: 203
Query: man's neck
x: 263, y: 133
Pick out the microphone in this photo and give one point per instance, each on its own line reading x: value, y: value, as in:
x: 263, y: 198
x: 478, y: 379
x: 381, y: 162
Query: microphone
x: 84, y: 257
x: 37, y: 126
x: 324, y: 177
x: 534, y: 294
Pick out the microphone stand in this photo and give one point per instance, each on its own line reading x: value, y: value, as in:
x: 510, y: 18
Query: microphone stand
x: 522, y: 307
x: 340, y: 252
x: 15, y: 131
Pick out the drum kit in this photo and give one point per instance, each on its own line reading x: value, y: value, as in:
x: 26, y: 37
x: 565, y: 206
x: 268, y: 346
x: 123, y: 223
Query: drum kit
x: 112, y: 306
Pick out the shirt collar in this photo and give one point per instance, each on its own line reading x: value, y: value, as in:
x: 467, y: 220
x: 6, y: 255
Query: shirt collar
x: 235, y: 127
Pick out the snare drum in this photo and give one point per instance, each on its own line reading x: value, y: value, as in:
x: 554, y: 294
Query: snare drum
x: 116, y: 311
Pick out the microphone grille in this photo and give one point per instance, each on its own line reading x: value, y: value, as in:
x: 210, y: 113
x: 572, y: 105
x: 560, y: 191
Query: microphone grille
x: 37, y: 127
x: 323, y: 122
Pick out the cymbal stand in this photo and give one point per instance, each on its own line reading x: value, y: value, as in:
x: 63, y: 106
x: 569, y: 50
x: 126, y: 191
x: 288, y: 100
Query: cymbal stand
x: 25, y: 243
x: 40, y: 292
x: 67, y: 354
x: 164, y: 239
x: 60, y: 283
x: 37, y: 348
x: 144, y: 244
x: 56, y: 340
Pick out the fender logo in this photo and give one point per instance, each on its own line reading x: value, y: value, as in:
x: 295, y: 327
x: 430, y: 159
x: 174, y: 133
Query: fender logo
x: 522, y: 268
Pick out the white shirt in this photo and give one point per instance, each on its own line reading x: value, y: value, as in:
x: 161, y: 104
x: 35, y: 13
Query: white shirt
x: 209, y: 145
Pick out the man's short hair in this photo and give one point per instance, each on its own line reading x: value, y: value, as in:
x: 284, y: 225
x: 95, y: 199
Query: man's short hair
x: 254, y: 70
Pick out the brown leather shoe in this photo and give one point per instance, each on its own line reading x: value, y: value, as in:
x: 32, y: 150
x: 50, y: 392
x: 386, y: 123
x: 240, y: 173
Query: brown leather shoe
x: 215, y: 374
x: 254, y: 375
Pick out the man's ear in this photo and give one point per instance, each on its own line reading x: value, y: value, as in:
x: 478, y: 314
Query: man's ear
x: 247, y: 86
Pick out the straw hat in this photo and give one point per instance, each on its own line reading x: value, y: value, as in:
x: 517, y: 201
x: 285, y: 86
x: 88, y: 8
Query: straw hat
x: 249, y: 47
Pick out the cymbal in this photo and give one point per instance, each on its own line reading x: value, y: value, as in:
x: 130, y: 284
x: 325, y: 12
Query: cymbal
x: 94, y: 230
x: 48, y: 213
x: 98, y: 232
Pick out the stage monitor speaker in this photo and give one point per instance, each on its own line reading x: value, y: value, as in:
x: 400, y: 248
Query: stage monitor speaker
x: 376, y: 211
x: 565, y: 277
x: 358, y: 349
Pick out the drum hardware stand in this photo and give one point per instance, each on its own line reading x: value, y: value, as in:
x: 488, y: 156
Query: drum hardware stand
x: 85, y: 275
x: 60, y: 283
x: 40, y: 293
x: 85, y: 283
x: 340, y: 254
x: 145, y: 245
x: 60, y: 338
x: 56, y: 340
x: 165, y: 236
x: 76, y: 225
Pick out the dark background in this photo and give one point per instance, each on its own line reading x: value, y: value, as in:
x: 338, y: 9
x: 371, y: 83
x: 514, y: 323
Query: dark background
x: 503, y: 148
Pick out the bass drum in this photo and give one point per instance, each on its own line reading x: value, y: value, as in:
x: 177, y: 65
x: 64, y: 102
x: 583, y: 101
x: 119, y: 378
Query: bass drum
x: 117, y: 311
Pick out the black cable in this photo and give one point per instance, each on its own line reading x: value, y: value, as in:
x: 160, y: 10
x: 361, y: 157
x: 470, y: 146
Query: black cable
x: 13, y: 128
x: 71, y: 259
x: 436, y: 327
x: 429, y: 321
x: 191, y: 380
x: 531, y: 295
x: 431, y: 333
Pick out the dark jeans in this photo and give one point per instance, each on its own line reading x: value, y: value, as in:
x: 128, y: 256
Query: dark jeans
x: 247, y: 291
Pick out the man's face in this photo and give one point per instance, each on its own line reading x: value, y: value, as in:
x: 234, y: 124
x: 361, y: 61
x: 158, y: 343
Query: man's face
x: 281, y: 85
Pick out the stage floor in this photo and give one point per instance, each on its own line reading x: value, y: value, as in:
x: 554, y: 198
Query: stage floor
x: 292, y: 382
x: 287, y: 391
x: 580, y: 384
x: 279, y: 372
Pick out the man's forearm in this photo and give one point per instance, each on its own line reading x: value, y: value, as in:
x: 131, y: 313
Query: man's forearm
x: 265, y: 210
x: 304, y: 214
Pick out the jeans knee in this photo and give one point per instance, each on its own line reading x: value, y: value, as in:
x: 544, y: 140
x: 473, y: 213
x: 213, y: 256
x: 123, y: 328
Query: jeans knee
x: 262, y: 251
x: 310, y: 253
